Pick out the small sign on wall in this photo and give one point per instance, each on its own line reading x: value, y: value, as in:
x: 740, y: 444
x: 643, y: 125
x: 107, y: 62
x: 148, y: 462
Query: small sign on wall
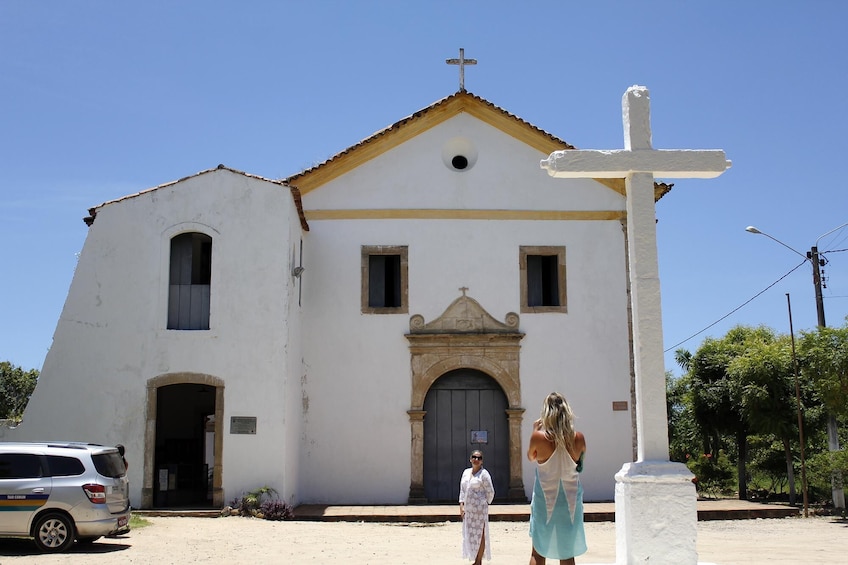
x: 479, y: 436
x: 619, y: 405
x: 243, y: 425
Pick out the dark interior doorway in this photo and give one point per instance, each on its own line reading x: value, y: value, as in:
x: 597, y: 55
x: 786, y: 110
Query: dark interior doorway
x: 185, y: 439
x: 465, y: 411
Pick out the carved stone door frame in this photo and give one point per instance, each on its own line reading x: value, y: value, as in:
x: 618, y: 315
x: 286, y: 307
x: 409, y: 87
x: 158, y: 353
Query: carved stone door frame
x: 149, y: 476
x: 465, y: 336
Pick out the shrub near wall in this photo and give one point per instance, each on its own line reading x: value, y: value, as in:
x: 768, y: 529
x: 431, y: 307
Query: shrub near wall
x: 714, y: 476
x: 261, y: 503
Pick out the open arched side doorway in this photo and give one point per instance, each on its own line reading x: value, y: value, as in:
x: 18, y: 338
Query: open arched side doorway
x: 183, y: 442
x: 465, y: 411
x: 465, y: 337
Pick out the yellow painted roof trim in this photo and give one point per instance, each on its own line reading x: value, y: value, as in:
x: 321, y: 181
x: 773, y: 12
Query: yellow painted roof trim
x: 421, y: 121
x: 429, y: 117
x: 464, y: 214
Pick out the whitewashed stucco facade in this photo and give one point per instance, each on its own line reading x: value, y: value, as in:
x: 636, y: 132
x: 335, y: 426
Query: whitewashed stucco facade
x: 111, y: 340
x: 330, y: 386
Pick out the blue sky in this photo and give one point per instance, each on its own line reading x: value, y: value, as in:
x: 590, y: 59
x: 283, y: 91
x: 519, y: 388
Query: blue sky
x: 99, y: 99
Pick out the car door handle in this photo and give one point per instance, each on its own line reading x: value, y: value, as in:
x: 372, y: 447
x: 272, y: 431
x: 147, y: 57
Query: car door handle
x: 38, y: 490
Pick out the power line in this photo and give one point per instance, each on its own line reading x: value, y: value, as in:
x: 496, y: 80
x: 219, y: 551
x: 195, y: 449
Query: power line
x: 737, y: 308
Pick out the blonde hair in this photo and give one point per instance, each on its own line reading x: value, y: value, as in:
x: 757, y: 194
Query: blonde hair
x: 558, y: 420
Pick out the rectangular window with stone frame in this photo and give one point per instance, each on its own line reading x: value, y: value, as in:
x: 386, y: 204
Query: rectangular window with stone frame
x: 542, y: 272
x: 385, y: 285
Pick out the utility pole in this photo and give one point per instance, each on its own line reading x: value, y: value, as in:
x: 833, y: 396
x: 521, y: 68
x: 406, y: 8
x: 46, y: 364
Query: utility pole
x: 837, y: 492
x: 813, y: 257
x: 798, y: 411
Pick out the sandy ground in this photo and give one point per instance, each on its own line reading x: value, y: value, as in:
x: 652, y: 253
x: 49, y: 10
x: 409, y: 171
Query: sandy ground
x: 235, y: 540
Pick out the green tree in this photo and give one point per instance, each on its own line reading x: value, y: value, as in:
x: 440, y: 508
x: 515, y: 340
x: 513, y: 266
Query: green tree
x: 714, y: 475
x: 764, y: 373
x: 715, y: 395
x: 823, y: 357
x: 743, y: 384
x: 683, y: 430
x: 16, y: 386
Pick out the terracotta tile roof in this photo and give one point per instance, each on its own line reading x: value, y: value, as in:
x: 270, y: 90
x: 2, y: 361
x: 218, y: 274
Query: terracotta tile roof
x: 398, y: 132
x: 388, y: 137
x: 412, y: 125
x: 294, y: 192
x: 461, y: 94
x: 661, y: 189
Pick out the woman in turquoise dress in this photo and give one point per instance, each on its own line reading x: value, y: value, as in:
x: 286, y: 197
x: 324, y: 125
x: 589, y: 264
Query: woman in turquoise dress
x: 556, y: 510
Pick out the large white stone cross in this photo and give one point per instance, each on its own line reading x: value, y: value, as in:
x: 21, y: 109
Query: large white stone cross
x: 638, y: 163
x: 655, y: 501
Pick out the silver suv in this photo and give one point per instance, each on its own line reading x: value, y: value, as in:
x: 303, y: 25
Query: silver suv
x: 59, y: 492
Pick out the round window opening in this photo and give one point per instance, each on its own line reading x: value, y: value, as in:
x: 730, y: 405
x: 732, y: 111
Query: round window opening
x: 459, y: 162
x: 459, y: 154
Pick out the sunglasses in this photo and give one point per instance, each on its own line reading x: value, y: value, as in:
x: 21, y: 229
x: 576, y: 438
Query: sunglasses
x: 477, y: 457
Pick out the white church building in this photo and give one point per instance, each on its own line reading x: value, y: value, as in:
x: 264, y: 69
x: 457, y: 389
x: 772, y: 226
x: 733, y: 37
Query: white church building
x: 349, y: 334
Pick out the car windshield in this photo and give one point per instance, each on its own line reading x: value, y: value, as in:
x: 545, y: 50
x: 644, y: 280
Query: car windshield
x: 109, y: 464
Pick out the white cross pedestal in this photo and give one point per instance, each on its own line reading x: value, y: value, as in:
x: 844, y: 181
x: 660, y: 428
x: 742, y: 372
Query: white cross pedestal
x: 655, y: 500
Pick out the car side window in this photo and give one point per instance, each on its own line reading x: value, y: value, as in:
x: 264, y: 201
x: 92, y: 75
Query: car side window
x: 20, y: 466
x: 64, y: 466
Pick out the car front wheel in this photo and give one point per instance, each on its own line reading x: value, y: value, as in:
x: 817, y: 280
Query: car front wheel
x: 54, y: 533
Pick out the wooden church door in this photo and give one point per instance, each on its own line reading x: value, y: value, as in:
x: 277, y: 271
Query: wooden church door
x: 465, y: 411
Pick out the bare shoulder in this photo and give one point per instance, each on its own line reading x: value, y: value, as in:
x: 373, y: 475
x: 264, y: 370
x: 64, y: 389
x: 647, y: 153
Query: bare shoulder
x: 540, y: 447
x: 580, y: 441
x: 539, y: 439
x: 578, y: 447
x: 538, y: 435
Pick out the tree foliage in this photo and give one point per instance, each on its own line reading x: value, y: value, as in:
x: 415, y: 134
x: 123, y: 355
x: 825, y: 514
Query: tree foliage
x: 683, y: 432
x: 717, y: 393
x: 713, y: 475
x: 823, y: 356
x: 16, y: 386
x: 764, y: 373
x: 738, y: 395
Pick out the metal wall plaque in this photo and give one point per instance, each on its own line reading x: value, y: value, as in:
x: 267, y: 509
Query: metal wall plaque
x: 243, y: 425
x: 479, y: 436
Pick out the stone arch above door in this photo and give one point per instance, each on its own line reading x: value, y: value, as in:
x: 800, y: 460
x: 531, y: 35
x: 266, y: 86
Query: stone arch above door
x: 465, y: 336
x: 150, y: 432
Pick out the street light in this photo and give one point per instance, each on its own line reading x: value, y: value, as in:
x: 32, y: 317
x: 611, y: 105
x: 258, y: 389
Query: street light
x: 813, y: 257
x: 752, y: 229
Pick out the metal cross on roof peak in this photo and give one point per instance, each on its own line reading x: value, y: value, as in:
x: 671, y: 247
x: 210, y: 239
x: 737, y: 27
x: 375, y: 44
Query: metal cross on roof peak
x: 462, y: 61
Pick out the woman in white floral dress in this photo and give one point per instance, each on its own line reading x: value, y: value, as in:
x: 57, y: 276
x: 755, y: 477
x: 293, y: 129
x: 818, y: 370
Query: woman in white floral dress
x: 475, y: 494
